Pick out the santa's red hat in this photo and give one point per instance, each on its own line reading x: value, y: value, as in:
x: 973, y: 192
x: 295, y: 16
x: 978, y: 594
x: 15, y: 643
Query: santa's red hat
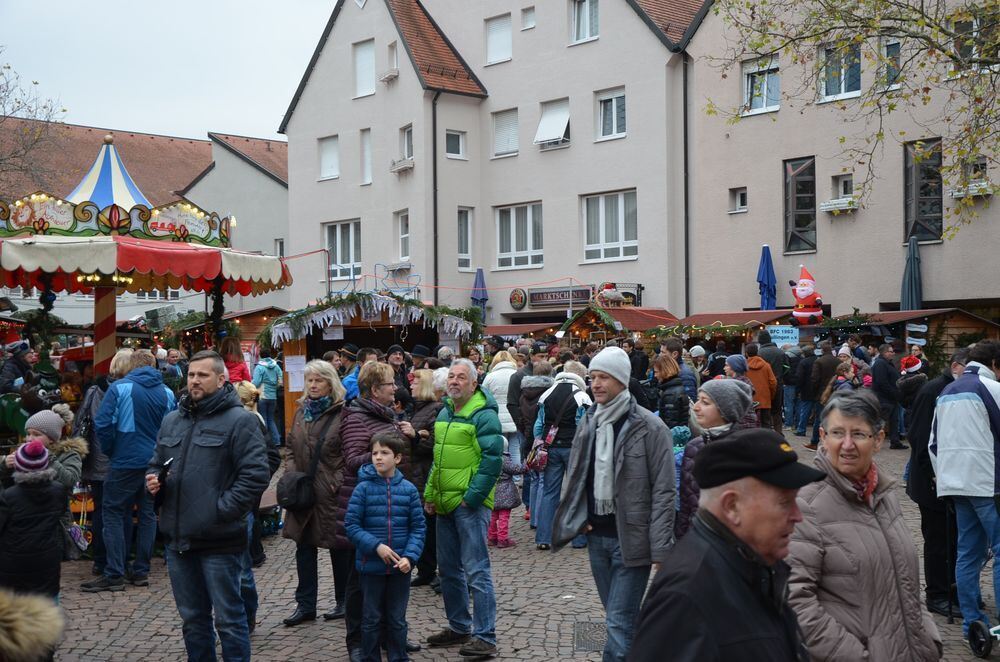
x: 909, y: 364
x: 805, y: 275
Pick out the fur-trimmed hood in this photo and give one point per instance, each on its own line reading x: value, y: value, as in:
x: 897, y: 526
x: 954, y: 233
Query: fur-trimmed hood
x: 30, y: 627
x: 76, y: 444
x: 31, y: 478
x: 536, y: 381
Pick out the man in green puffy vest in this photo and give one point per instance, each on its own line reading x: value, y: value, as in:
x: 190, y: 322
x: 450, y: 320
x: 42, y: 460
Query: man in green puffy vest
x: 468, y: 449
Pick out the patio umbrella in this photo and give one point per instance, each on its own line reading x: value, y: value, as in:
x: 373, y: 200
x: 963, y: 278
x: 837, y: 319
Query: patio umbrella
x: 479, y: 294
x: 767, y: 282
x: 912, y: 295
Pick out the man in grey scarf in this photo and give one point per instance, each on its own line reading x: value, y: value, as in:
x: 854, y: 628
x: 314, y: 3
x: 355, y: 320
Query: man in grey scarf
x: 619, y: 490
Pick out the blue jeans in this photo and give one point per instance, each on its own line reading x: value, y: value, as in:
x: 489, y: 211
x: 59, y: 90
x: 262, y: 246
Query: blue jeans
x: 514, y: 446
x: 978, y: 529
x: 248, y: 584
x: 267, y: 409
x: 551, y: 486
x: 124, y: 488
x: 385, y: 600
x: 203, y: 584
x: 621, y: 590
x: 806, y: 408
x: 537, y: 490
x: 791, y: 395
x: 464, y: 565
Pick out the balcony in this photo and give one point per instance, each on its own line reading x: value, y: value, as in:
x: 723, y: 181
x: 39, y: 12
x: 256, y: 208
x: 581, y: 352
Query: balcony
x: 388, y: 76
x: 976, y: 189
x: 839, y: 205
x: 401, y: 165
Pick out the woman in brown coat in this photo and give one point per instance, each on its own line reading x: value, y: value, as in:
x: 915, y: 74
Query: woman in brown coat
x: 855, y: 583
x: 318, y: 413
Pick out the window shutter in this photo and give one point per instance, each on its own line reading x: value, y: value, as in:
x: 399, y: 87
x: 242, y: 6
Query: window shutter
x: 364, y: 68
x: 552, y: 125
x: 498, y: 39
x: 505, y: 132
x: 329, y: 157
x: 366, y: 156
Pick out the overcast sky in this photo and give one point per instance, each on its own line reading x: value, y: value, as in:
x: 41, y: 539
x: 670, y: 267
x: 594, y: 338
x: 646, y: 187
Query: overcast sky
x: 182, y: 68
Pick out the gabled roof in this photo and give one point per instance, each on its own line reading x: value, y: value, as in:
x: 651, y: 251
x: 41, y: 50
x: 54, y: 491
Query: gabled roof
x: 159, y: 164
x: 438, y: 65
x: 268, y: 156
x: 747, y: 318
x: 673, y: 22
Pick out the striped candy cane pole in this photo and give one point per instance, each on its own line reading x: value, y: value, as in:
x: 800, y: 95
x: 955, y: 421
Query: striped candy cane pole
x: 104, y: 329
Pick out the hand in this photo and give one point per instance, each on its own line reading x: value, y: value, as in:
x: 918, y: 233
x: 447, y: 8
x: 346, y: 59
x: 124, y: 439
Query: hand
x: 424, y: 434
x: 152, y: 484
x: 403, y: 565
x: 9, y: 461
x: 407, y: 429
x: 430, y: 508
x: 386, y: 554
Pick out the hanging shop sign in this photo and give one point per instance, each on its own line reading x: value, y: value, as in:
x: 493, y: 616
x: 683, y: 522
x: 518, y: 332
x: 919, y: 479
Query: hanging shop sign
x: 518, y: 298
x: 784, y: 335
x: 549, y: 297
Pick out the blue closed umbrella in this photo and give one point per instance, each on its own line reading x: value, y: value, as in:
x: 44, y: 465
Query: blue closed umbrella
x: 766, y: 280
x: 912, y: 295
x: 479, y: 294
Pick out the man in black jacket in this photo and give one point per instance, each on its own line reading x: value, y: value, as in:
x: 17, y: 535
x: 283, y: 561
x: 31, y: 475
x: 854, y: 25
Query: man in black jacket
x: 939, y: 570
x: 217, y: 472
x: 716, y: 364
x: 823, y: 372
x: 16, y: 369
x: 884, y: 377
x: 807, y: 397
x: 722, y: 592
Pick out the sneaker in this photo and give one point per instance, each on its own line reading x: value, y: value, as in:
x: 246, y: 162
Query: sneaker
x: 492, y: 542
x: 503, y: 544
x: 812, y: 447
x: 477, y: 648
x: 543, y: 547
x: 139, y: 580
x: 104, y: 584
x: 447, y: 637
x: 898, y: 447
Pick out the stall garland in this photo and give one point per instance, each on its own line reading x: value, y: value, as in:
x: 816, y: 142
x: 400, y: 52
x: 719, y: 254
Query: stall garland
x: 340, y: 309
x: 686, y: 331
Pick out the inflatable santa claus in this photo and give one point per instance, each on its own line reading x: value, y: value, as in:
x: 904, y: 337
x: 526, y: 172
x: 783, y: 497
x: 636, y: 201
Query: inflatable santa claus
x: 808, y: 303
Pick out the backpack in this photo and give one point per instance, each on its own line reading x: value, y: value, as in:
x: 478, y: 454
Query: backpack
x: 652, y: 392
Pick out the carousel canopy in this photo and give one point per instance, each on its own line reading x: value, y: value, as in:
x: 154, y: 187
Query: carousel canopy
x: 108, y: 182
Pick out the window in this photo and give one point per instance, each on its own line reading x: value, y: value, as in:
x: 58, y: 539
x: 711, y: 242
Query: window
x: 158, y: 295
x: 553, y: 127
x: 505, y: 132
x: 843, y: 186
x: 343, y: 240
x: 406, y: 142
x: 392, y: 57
x: 498, y: 39
x: 975, y: 170
x: 611, y: 226
x: 971, y: 37
x: 454, y: 144
x: 329, y: 157
x: 366, y: 156
x: 891, y: 62
x: 519, y: 236
x: 21, y: 292
x: 279, y: 247
x: 800, y: 204
x: 403, y: 224
x: 761, y: 86
x: 737, y: 200
x: 611, y: 114
x: 464, y: 238
x: 923, y: 194
x: 364, y: 68
x: 586, y: 21
x: 527, y: 18
x: 841, y: 73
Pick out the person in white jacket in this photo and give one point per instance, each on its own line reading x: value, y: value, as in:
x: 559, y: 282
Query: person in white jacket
x: 965, y: 453
x: 496, y: 382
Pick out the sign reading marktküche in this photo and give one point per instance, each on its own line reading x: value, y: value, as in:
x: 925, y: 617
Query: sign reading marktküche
x: 557, y: 296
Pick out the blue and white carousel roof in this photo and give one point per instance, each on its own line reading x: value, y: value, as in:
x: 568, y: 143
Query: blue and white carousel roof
x: 108, y: 182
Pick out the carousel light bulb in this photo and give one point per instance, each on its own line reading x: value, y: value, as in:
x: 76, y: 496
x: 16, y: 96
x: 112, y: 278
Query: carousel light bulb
x: 18, y: 203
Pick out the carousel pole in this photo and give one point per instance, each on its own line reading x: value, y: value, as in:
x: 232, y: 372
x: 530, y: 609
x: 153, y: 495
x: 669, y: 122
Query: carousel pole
x: 104, y: 328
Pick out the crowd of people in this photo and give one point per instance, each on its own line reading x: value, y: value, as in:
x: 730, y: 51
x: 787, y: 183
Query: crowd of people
x: 406, y: 467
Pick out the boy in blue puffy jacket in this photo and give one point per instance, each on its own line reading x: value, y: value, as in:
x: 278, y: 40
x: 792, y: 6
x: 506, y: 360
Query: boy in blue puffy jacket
x: 385, y: 522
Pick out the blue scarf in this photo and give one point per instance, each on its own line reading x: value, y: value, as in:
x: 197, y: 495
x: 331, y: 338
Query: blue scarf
x: 314, y: 407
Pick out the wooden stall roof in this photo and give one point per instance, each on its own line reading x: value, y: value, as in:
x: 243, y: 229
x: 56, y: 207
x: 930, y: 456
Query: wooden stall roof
x: 739, y: 318
x: 518, y: 329
x: 896, y: 316
x: 631, y: 318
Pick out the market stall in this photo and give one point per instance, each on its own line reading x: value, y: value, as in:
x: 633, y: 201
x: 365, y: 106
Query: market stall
x: 733, y: 328
x: 596, y: 323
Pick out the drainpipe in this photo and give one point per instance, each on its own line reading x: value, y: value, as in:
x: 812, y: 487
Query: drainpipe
x: 687, y: 190
x: 434, y: 177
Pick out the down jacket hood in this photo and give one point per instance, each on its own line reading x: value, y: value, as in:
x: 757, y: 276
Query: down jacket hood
x: 32, y: 626
x: 536, y: 381
x: 756, y: 363
x: 145, y: 376
x: 369, y: 472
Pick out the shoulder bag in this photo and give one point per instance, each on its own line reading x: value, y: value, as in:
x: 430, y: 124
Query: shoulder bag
x: 296, y: 490
x: 538, y: 456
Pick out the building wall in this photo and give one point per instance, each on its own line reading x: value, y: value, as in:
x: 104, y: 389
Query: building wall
x: 860, y: 256
x: 543, y: 67
x: 260, y: 204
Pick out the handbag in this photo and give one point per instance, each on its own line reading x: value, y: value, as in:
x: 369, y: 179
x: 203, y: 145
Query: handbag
x: 538, y: 456
x: 296, y: 490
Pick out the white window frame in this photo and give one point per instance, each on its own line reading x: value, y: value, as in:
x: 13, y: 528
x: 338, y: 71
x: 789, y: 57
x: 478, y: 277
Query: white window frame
x: 761, y: 67
x: 583, y: 27
x: 531, y: 256
x: 843, y: 185
x: 884, y: 46
x: 21, y: 292
x: 279, y: 247
x: 527, y: 18
x: 739, y: 200
x: 402, y: 225
x: 464, y: 257
x: 363, y: 56
x: 974, y: 54
x: 328, y: 168
x: 499, y: 46
x: 158, y: 295
x: 406, y: 142
x: 553, y: 124
x: 343, y: 270
x: 461, y: 154
x: 613, y: 97
x: 610, y: 250
x: 509, y: 146
x: 365, y: 138
x: 842, y: 57
x: 392, y: 55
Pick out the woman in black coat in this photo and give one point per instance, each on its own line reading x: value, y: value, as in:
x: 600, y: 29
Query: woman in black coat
x: 672, y: 404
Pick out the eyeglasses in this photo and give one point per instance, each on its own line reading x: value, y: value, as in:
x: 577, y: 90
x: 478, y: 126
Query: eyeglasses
x: 393, y: 384
x: 855, y: 435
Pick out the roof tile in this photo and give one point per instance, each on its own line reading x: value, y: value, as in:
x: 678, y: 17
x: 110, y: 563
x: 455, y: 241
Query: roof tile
x: 671, y: 17
x: 269, y: 155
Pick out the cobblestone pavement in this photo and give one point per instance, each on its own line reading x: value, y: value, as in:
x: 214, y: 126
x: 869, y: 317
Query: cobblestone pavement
x: 541, y: 597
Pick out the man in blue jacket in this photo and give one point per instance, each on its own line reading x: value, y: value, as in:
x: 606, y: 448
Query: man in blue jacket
x: 126, y: 426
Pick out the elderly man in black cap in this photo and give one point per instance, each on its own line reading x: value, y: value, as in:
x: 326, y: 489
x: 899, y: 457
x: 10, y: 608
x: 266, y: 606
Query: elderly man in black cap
x: 722, y: 592
x: 395, y: 356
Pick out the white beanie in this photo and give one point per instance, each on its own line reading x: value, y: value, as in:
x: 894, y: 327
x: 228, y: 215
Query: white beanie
x: 615, y: 362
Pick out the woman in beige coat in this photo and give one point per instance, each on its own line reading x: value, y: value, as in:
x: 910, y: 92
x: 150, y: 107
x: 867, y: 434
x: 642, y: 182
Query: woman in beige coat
x: 855, y: 583
x: 318, y: 413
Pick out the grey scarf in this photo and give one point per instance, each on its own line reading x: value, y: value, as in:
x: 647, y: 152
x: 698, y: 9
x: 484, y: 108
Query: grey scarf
x: 604, y: 451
